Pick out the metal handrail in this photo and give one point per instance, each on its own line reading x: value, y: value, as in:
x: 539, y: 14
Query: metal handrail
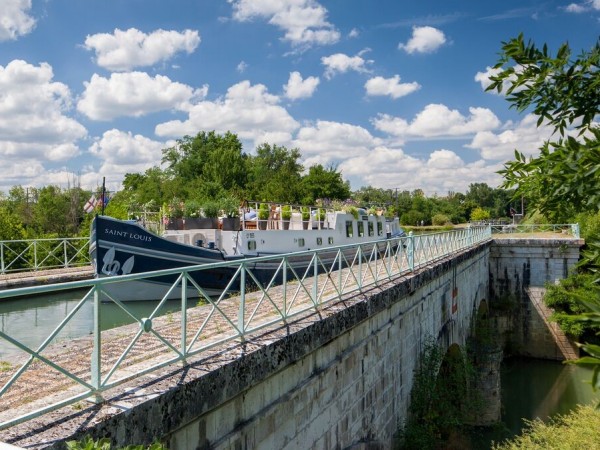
x: 161, y: 340
x: 37, y: 254
x: 569, y: 228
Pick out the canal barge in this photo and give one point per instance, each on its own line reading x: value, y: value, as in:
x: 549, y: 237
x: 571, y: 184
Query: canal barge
x: 121, y: 247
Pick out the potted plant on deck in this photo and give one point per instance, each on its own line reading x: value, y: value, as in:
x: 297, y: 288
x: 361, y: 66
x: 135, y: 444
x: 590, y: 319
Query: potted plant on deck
x: 191, y: 218
x: 175, y: 215
x: 286, y: 216
x: 320, y: 217
x: 305, y: 217
x: 210, y: 214
x: 263, y: 216
x: 231, y: 210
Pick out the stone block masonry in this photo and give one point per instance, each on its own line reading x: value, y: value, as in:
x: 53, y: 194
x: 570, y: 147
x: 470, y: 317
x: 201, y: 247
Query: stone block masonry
x: 516, y: 266
x: 338, y: 378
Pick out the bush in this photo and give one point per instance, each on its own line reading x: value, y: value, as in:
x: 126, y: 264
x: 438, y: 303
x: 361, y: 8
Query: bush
x: 210, y: 209
x: 263, y: 211
x: 88, y: 443
x: 576, y: 430
x: 440, y: 219
x: 413, y: 217
x: 563, y: 299
x: 480, y: 214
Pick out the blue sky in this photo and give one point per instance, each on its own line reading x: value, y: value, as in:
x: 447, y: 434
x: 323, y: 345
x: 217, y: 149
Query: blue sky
x: 390, y: 92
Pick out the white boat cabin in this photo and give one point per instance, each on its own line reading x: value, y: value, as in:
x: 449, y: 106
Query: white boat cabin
x: 287, y: 231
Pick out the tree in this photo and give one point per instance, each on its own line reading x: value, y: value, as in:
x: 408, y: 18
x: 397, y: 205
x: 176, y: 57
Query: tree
x: 207, y: 158
x: 275, y: 174
x: 10, y: 226
x: 563, y: 93
x: 323, y: 183
x: 480, y: 214
x: 52, y: 212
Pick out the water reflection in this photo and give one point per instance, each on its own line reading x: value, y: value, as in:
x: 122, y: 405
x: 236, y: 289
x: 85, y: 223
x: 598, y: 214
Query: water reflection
x: 31, y: 320
x: 533, y: 388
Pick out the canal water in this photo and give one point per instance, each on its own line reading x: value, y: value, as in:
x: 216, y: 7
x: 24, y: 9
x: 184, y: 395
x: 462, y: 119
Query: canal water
x: 537, y: 389
x: 31, y: 320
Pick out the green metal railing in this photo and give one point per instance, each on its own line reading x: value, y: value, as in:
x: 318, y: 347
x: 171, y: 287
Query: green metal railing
x: 87, y: 367
x: 39, y: 254
x: 571, y: 229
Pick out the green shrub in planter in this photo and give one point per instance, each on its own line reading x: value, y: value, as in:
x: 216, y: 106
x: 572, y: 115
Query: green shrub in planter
x: 210, y: 208
x: 263, y: 211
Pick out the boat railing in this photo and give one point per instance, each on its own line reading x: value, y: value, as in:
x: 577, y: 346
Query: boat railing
x: 41, y: 254
x: 59, y: 370
x: 272, y: 216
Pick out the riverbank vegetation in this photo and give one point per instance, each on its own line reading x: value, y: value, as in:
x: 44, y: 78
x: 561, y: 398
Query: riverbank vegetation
x: 578, y: 430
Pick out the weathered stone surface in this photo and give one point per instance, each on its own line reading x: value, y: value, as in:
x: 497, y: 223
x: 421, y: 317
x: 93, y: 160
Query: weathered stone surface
x: 516, y: 265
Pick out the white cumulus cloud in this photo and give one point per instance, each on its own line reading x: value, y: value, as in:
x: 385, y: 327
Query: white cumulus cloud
x: 15, y: 20
x: 34, y: 111
x: 326, y: 142
x: 122, y: 152
x: 342, y: 63
x: 133, y: 94
x: 424, y: 40
x: 440, y: 172
x: 437, y: 120
x: 304, y: 22
x: 390, y: 86
x: 579, y: 8
x: 247, y: 110
x: 297, y: 87
x: 525, y: 136
x: 126, y: 49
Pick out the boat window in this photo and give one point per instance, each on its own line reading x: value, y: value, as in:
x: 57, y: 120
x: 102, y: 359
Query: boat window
x: 300, y: 242
x: 379, y: 228
x: 361, y: 228
x: 371, y: 228
x: 251, y: 245
x: 330, y: 240
x: 319, y: 241
x: 349, y: 228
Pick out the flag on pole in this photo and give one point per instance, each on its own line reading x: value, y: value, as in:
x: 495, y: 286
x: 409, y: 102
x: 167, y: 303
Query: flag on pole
x: 91, y: 204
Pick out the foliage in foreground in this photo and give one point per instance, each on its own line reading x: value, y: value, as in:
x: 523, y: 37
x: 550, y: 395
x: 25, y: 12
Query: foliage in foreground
x: 576, y: 430
x: 87, y: 443
x: 565, y: 299
x: 562, y: 91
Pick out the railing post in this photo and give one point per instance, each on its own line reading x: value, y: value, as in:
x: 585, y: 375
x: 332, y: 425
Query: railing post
x: 96, y: 365
x: 410, y: 251
x: 315, y: 279
x: 1, y: 257
x: 35, y: 266
x: 242, y: 301
x: 66, y: 258
x: 360, y: 259
x: 284, y: 285
x: 184, y: 318
x: 575, y: 230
